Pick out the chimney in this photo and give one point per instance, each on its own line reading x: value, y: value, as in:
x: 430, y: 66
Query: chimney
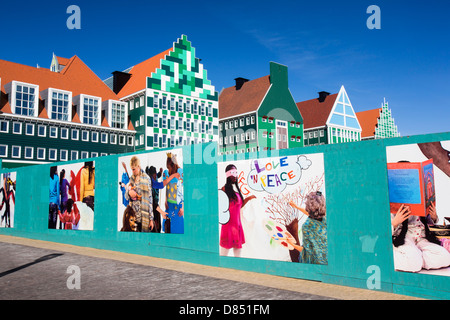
x: 119, y: 80
x: 240, y: 82
x: 323, y: 95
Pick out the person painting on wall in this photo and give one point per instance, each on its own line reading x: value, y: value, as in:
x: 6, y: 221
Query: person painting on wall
x: 141, y: 203
x: 314, y: 248
x: 54, y: 198
x: 87, y: 184
x: 231, y: 233
x: 175, y: 210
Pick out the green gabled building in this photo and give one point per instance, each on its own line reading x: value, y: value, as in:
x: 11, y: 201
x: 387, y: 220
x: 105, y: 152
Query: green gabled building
x: 259, y: 114
x: 170, y: 100
x: 329, y: 119
x: 378, y: 123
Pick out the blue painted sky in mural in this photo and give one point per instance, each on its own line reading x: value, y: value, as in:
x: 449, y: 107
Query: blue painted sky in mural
x: 325, y: 44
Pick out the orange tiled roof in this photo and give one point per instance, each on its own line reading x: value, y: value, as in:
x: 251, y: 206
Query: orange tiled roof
x: 76, y: 77
x: 315, y: 113
x: 139, y: 74
x: 248, y: 98
x: 368, y: 121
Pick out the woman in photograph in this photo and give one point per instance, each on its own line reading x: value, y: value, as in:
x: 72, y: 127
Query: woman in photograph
x: 174, y: 204
x: 54, y: 198
x: 139, y: 195
x: 64, y: 188
x: 314, y: 248
x: 231, y: 233
x: 87, y: 184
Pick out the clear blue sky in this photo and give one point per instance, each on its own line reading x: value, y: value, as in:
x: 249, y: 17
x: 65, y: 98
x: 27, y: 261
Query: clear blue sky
x: 325, y: 44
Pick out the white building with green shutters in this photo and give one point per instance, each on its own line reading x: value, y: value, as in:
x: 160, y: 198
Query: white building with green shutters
x: 170, y: 100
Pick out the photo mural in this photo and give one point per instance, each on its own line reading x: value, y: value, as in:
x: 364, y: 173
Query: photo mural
x: 71, y: 196
x: 419, y: 187
x: 7, y: 199
x: 274, y: 208
x: 150, y: 192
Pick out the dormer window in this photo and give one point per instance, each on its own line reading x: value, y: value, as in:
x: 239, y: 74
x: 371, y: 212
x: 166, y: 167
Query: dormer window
x: 116, y: 113
x: 58, y: 104
x: 88, y: 109
x: 23, y: 98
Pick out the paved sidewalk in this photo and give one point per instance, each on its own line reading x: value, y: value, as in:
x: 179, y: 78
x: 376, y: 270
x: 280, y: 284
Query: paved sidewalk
x: 35, y: 270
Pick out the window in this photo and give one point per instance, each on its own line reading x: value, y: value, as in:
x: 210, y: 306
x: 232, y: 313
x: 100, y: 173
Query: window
x: 29, y: 152
x: 60, y: 103
x: 25, y: 99
x: 41, y: 153
x: 241, y: 122
x: 130, y: 141
x: 94, y: 154
x: 155, y: 140
x: 104, y: 137
x: 4, y: 126
x: 253, y: 119
x: 85, y: 135
x: 63, y: 155
x: 3, y: 150
x: 29, y: 129
x: 52, y: 154
x: 113, y: 138
x: 74, y: 155
x: 16, y: 150
x: 53, y: 132
x: 155, y: 101
x: 118, y: 115
x: 180, y: 105
x: 94, y: 136
x: 17, y: 128
x: 64, y: 133
x: 122, y: 140
x: 90, y: 109
x: 84, y: 154
x: 74, y: 134
x: 155, y: 121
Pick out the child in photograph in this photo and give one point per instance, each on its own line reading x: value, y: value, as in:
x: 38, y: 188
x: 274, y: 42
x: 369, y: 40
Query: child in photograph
x: 69, y: 218
x: 415, y: 247
x: 129, y: 220
x: 232, y: 233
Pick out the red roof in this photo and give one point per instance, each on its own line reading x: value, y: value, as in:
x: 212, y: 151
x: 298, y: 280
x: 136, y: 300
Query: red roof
x: 76, y: 77
x: 248, y: 98
x: 368, y: 121
x: 139, y: 74
x: 315, y: 113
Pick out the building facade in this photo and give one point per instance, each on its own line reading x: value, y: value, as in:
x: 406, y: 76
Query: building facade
x: 259, y: 114
x: 329, y: 119
x: 59, y: 114
x: 378, y: 123
x: 170, y: 100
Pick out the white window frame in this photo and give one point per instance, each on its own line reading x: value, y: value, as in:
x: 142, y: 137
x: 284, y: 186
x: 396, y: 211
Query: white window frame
x: 54, y: 136
x: 6, y: 150
x: 66, y: 153
x: 16, y: 148
x: 50, y: 151
x: 65, y: 133
x: 37, y: 154
x: 11, y: 90
x: 7, y: 126
x: 26, y: 149
x: 29, y: 125
x: 14, y: 129
x: 67, y: 116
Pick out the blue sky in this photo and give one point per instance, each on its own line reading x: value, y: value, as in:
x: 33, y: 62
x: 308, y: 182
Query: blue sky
x: 325, y: 44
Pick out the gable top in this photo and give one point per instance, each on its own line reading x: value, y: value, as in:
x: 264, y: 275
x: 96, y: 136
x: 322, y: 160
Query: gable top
x: 139, y: 74
x: 247, y: 98
x: 316, y: 113
x: 368, y: 120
